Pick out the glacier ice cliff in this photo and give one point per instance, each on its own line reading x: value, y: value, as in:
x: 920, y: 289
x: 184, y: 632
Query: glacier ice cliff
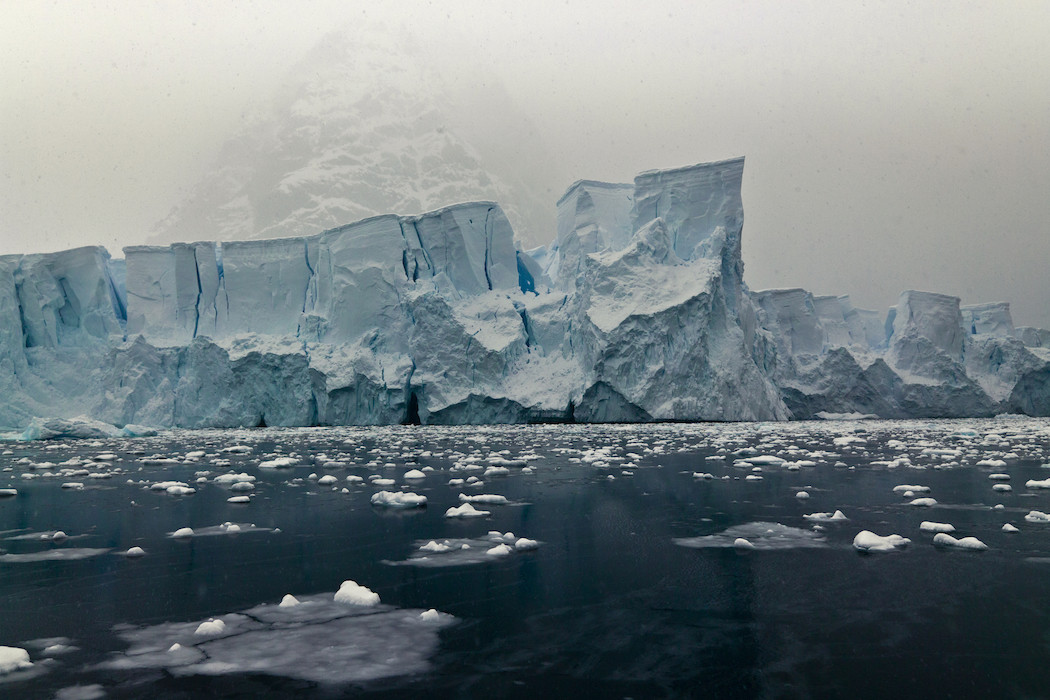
x: 637, y: 311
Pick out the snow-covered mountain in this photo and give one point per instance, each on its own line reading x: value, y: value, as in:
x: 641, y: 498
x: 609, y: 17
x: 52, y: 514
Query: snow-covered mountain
x: 363, y: 125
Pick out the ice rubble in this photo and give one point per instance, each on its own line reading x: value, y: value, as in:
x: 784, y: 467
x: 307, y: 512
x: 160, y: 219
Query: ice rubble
x: 638, y: 311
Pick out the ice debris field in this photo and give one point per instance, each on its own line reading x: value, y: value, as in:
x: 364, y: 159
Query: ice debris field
x: 636, y: 311
x: 379, y: 556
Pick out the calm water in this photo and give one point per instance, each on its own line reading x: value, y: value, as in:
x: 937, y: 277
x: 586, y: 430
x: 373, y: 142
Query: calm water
x: 611, y: 604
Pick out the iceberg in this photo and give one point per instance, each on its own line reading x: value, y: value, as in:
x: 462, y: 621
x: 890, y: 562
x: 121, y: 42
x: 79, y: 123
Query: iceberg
x: 637, y: 311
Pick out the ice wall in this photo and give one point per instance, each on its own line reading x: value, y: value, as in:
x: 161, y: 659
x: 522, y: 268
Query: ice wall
x: 439, y: 318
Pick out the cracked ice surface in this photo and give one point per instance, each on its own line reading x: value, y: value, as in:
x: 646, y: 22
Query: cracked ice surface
x: 318, y: 640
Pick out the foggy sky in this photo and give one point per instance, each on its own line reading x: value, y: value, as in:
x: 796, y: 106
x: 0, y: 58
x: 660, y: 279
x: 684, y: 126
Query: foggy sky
x: 889, y: 145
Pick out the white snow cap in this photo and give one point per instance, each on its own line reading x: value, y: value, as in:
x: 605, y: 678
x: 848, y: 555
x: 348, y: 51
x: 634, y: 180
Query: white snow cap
x: 13, y: 659
x: 352, y: 593
x: 868, y: 541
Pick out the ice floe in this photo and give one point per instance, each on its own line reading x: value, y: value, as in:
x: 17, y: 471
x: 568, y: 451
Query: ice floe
x: 868, y: 541
x: 930, y: 526
x: 353, y: 593
x: 972, y: 543
x: 760, y: 535
x: 398, y: 499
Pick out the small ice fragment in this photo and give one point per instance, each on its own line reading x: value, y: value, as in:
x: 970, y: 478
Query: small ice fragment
x: 930, y: 526
x: 13, y: 659
x: 465, y: 511
x: 8, y: 493
x: 999, y: 477
x: 58, y: 536
x: 352, y: 593
x: 946, y: 540
x: 238, y: 499
x: 524, y: 544
x: 278, y: 463
x: 1002, y: 488
x: 703, y: 475
x: 500, y: 550
x: 752, y: 477
x: 1037, y: 516
x: 486, y: 498
x: 496, y: 471
x: 414, y: 474
x: 288, y: 601
x: 175, y: 647
x: 1037, y: 484
x: 741, y: 543
x: 1007, y: 527
x: 398, y: 499
x: 923, y: 502
x: 802, y: 494
x: 429, y: 615
x: 509, y: 537
x: 183, y: 532
x: 998, y: 506
x: 868, y: 541
x: 326, y: 480
x: 73, y: 486
x: 211, y: 627
x: 435, y: 547
x: 135, y: 552
x: 911, y: 487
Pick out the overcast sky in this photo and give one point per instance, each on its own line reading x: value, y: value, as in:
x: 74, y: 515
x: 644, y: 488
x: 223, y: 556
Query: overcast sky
x: 889, y: 145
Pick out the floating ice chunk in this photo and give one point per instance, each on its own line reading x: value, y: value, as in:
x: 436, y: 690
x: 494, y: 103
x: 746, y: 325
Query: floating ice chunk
x: 923, y: 502
x: 180, y: 490
x: 8, y: 493
x: 496, y: 471
x: 431, y: 615
x: 868, y: 541
x: 742, y: 543
x: 904, y: 488
x: 231, y: 527
x: 135, y: 552
x: 802, y: 494
x: 998, y: 506
x: 1002, y: 488
x: 761, y: 535
x: 58, y: 536
x: 752, y: 477
x: 766, y: 460
x: 414, y: 474
x: 930, y: 526
x: 234, y: 478
x: 436, y: 547
x: 288, y: 601
x: 239, y: 499
x: 13, y: 659
x: 327, y: 480
x: 524, y: 544
x: 1037, y: 484
x: 823, y: 517
x: 210, y: 628
x: 133, y: 431
x: 352, y: 593
x: 1037, y: 516
x: 194, y: 455
x: 380, y: 481
x: 398, y: 499
x: 73, y: 485
x: 703, y: 475
x: 945, y: 540
x: 248, y: 486
x: 237, y: 449
x: 182, y: 533
x: 1007, y: 527
x: 465, y: 511
x: 500, y: 550
x: 455, y: 482
x: 486, y: 498
x: 993, y: 463
x: 354, y: 479
x: 279, y: 463
x: 999, y: 477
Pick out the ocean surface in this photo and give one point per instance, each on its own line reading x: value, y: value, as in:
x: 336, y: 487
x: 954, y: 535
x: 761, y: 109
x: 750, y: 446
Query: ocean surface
x: 635, y: 561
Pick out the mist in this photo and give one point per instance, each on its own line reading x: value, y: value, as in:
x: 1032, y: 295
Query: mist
x: 888, y: 146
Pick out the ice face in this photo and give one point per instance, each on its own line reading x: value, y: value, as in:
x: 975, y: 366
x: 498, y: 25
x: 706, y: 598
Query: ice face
x: 440, y: 318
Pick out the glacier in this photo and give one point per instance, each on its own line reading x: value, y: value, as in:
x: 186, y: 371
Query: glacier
x: 637, y: 311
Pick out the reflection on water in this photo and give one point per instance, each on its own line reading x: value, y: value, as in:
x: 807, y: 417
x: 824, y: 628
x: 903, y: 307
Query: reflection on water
x: 632, y: 580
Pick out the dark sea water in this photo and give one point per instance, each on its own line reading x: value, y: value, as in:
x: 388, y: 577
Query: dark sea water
x: 634, y: 590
